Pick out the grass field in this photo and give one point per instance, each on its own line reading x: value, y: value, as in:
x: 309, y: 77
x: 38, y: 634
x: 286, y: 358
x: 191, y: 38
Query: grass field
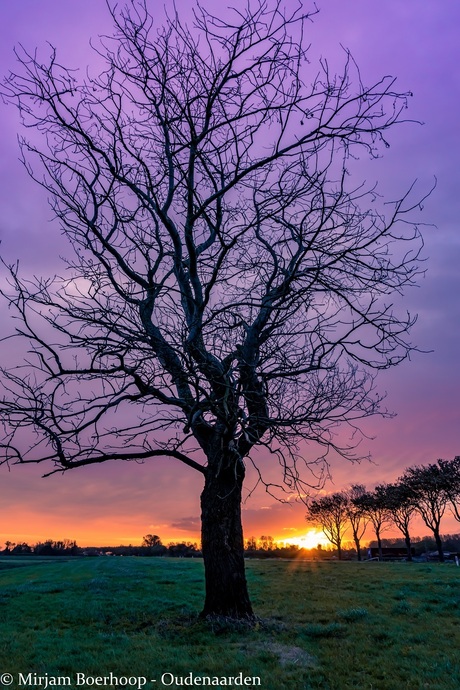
x: 322, y: 625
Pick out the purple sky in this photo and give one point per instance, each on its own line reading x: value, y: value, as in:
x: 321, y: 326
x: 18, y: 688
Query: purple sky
x: 418, y: 43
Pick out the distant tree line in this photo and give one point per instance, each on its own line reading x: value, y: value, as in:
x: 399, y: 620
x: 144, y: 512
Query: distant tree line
x: 151, y: 546
x: 263, y: 548
x: 424, y: 490
x: 66, y: 547
x: 266, y: 547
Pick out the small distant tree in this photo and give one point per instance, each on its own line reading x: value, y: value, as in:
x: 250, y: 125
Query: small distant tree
x: 356, y: 515
x: 429, y: 489
x: 400, y: 503
x: 151, y: 540
x: 251, y: 544
x: 71, y: 547
x: 266, y: 542
x: 331, y: 513
x: 153, y: 546
x: 374, y: 508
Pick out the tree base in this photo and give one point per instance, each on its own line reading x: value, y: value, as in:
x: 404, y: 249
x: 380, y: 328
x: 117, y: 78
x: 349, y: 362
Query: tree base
x: 222, y: 624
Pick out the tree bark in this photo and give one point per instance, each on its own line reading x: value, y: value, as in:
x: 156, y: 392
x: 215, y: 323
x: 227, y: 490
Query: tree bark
x: 358, y: 548
x: 222, y: 543
x: 437, y: 538
x: 379, y: 542
x: 408, y: 547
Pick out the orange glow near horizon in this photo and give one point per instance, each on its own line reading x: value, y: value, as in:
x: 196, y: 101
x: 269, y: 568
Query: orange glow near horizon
x: 86, y: 537
x: 309, y: 540
x: 89, y: 537
x: 118, y: 530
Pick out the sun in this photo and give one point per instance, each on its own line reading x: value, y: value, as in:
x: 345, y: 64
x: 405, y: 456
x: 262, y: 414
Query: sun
x: 309, y: 540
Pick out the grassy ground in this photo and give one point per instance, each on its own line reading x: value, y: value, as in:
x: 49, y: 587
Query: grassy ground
x: 322, y: 625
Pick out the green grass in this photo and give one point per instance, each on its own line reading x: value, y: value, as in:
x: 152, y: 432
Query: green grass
x: 322, y: 625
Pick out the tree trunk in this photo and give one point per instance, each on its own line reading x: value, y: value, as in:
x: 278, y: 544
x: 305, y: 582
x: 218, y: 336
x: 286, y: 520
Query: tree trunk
x: 222, y: 544
x: 358, y: 550
x: 438, y: 541
x: 408, y: 547
x: 358, y: 546
x: 379, y: 543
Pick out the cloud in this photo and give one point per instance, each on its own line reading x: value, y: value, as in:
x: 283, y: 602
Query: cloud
x: 187, y: 524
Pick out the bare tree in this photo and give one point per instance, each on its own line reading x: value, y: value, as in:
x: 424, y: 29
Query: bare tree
x: 356, y: 515
x: 331, y: 512
x: 428, y: 486
x: 451, y: 472
x: 399, y: 501
x: 373, y: 506
x: 228, y: 286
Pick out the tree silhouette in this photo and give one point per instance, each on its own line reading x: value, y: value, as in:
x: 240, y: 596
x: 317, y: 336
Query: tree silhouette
x: 331, y: 512
x: 151, y: 540
x: 399, y: 501
x: 373, y: 506
x: 229, y: 283
x: 356, y: 515
x: 429, y: 488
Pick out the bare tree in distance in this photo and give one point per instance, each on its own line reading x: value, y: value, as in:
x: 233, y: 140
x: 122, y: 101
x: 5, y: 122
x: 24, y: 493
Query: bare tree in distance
x: 372, y: 505
x: 151, y: 540
x: 356, y: 515
x: 331, y: 513
x: 229, y: 285
x: 399, y: 500
x: 429, y: 487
